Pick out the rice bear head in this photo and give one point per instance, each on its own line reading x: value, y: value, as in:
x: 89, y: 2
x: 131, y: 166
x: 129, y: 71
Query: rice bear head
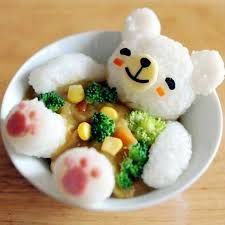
x: 157, y: 74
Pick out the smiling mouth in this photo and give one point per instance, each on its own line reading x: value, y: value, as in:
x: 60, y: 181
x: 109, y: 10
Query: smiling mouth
x: 134, y: 78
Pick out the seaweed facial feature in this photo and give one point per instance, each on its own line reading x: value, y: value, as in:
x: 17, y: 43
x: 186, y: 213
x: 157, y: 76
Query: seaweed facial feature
x: 170, y: 83
x: 144, y: 64
x: 175, y: 77
x: 125, y: 51
x: 139, y: 70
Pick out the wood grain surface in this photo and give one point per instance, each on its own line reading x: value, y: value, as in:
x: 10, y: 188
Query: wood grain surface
x: 28, y: 25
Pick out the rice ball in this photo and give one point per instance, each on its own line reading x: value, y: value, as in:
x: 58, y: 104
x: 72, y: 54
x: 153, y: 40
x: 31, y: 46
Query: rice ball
x: 155, y: 73
x: 141, y: 22
x: 208, y: 71
x: 84, y: 176
x: 64, y: 70
x: 174, y: 63
x: 34, y: 130
x: 169, y: 156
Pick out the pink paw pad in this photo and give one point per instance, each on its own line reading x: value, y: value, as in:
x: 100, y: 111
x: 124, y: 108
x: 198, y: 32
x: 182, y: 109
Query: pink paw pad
x: 22, y: 122
x: 16, y: 124
x: 83, y: 162
x: 95, y: 172
x: 76, y: 178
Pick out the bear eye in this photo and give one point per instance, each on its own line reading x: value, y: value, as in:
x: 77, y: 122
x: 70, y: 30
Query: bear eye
x: 125, y: 51
x: 170, y: 82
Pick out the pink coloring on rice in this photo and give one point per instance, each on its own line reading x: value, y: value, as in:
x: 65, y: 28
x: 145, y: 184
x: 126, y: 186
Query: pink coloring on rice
x: 75, y: 181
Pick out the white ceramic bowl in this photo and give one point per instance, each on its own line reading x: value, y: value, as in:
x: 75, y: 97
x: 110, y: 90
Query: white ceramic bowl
x: 203, y: 120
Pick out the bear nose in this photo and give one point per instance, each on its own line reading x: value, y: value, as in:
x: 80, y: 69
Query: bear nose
x: 145, y: 62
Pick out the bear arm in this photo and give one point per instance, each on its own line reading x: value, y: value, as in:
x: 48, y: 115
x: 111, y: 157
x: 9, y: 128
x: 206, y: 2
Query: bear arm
x: 168, y: 157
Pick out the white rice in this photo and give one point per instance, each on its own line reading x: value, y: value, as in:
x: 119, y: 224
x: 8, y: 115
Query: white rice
x: 208, y: 71
x: 96, y: 189
x: 141, y: 22
x: 169, y: 156
x: 50, y: 130
x: 63, y: 70
x: 173, y: 61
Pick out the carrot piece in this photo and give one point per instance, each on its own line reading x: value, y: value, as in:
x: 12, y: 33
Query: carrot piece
x: 161, y: 91
x: 82, y: 106
x: 118, y: 61
x: 125, y: 135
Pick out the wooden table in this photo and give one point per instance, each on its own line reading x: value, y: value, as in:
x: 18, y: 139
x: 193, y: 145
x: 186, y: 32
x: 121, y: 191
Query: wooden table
x: 27, y: 26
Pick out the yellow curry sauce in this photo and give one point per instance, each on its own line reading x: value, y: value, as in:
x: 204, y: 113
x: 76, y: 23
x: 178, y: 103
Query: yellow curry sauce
x: 74, y: 117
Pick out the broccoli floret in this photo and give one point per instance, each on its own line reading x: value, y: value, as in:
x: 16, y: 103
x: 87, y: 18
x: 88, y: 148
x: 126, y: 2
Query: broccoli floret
x: 109, y: 94
x: 145, y: 127
x: 97, y: 93
x: 52, y: 100
x: 128, y: 172
x: 132, y: 166
x: 102, y: 126
x: 138, y: 152
x: 93, y: 93
x: 123, y: 180
x: 133, y: 169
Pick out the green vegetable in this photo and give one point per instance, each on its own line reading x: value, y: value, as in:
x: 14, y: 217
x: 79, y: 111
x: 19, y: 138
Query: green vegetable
x: 52, y: 100
x: 139, y: 152
x: 97, y: 93
x: 123, y: 180
x: 132, y: 166
x: 93, y: 93
x: 145, y: 127
x: 133, y: 169
x: 102, y: 126
x: 109, y: 94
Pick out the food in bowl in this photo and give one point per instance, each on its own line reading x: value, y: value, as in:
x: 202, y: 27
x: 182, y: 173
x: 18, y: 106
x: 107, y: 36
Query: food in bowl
x: 114, y: 132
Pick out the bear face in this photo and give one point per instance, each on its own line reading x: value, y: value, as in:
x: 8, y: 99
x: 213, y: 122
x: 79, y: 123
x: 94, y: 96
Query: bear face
x: 155, y: 73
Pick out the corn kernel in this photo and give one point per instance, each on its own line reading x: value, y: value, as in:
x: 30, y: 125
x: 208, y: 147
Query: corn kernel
x: 75, y: 93
x: 110, y: 112
x: 84, y: 131
x: 112, y: 145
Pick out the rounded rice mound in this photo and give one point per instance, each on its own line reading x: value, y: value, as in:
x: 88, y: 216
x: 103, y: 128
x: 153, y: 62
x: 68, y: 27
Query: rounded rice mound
x: 64, y: 70
x: 173, y: 61
x: 96, y: 189
x: 168, y: 157
x: 50, y: 131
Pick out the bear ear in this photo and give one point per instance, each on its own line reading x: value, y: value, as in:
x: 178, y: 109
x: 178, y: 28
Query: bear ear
x: 208, y: 72
x: 141, y: 23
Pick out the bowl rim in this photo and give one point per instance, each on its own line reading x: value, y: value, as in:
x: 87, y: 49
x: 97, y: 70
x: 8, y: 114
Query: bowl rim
x: 128, y: 207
